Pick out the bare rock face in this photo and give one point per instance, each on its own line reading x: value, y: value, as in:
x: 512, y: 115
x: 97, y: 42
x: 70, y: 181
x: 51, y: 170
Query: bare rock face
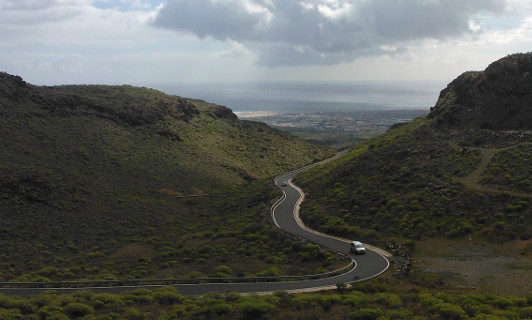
x: 499, y: 98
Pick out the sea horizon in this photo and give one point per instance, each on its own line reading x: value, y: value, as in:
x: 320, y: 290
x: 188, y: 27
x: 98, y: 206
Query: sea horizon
x: 311, y: 96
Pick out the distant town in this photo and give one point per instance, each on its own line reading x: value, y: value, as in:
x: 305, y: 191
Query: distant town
x: 335, y: 129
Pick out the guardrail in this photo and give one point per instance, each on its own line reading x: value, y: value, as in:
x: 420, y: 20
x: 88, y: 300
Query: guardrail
x: 169, y: 281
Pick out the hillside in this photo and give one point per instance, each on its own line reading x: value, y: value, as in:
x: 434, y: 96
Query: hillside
x: 462, y: 171
x: 89, y: 175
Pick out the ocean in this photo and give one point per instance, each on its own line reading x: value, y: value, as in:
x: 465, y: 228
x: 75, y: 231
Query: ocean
x: 312, y: 96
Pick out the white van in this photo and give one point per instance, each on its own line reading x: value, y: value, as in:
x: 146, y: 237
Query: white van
x: 357, y: 247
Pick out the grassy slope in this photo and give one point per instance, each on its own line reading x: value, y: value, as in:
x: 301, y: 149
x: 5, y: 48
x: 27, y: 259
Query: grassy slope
x: 452, y: 188
x: 462, y: 169
x: 459, y: 178
x: 87, y: 174
x: 413, y: 182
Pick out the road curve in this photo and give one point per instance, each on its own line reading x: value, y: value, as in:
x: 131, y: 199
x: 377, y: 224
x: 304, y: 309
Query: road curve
x: 285, y: 214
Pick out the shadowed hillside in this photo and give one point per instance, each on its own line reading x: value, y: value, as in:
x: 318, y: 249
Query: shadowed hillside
x: 89, y: 177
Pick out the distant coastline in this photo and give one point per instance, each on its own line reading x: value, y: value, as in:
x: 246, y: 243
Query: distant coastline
x: 311, y: 96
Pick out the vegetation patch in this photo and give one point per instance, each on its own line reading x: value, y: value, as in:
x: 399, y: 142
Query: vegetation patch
x: 511, y: 167
x: 408, y: 183
x: 373, y: 300
x: 92, y: 180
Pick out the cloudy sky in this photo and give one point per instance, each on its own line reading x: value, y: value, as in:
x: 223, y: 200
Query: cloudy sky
x: 184, y: 44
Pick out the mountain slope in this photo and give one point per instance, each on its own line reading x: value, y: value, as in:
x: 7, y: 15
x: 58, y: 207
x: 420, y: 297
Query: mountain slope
x: 94, y: 169
x: 464, y: 168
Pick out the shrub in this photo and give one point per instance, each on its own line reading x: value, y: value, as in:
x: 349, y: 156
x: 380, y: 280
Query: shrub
x: 222, y: 271
x: 77, y: 310
x: 56, y: 315
x: 140, y: 296
x: 213, y: 309
x: 47, y: 312
x: 400, y: 314
x: 391, y: 300
x: 485, y: 317
x: 100, y: 300
x: 133, y: 314
x: 356, y: 299
x: 365, y: 314
x: 167, y: 296
x: 409, y: 244
x: 499, y: 226
x: 526, y: 313
x: 195, y: 274
x: 10, y: 314
x: 284, y: 297
x: 255, y: 308
x: 23, y: 305
x: 450, y: 311
x: 232, y: 296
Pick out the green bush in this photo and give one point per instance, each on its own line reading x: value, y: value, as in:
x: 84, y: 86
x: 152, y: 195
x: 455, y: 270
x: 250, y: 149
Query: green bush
x: 391, y: 300
x: 10, y: 314
x: 167, y: 296
x: 133, y: 314
x: 57, y: 315
x: 138, y: 296
x: 254, y: 308
x: 400, y: 314
x: 222, y: 271
x: 526, y: 313
x: 232, y: 296
x: 100, y: 300
x: 499, y: 226
x: 48, y: 312
x: 77, y: 310
x: 21, y: 304
x: 365, y: 314
x: 450, y: 311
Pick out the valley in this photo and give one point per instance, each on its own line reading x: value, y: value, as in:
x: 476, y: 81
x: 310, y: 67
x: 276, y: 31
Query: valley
x: 90, y: 176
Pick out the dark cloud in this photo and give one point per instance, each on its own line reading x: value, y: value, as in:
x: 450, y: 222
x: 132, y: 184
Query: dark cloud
x: 26, y: 4
x: 305, y: 32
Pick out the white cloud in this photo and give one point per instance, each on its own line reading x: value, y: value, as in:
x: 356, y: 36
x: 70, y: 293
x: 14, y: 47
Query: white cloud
x: 307, y: 32
x: 115, y: 41
x: 73, y: 23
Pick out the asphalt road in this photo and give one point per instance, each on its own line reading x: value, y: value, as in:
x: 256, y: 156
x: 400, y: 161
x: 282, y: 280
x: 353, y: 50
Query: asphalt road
x: 284, y: 214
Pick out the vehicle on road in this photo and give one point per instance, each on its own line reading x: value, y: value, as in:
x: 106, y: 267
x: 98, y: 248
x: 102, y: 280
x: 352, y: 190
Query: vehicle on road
x: 284, y: 183
x: 357, y: 247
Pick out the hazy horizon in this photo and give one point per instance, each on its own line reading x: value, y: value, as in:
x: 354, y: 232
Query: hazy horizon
x: 264, y: 54
x: 312, y: 96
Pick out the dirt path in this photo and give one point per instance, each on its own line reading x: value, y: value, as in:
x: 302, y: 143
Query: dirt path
x: 473, y: 179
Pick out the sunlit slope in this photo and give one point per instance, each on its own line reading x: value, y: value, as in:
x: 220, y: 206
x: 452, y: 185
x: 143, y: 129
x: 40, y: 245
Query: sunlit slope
x: 465, y: 168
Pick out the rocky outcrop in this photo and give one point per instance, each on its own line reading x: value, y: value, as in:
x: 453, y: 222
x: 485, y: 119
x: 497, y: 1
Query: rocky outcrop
x: 499, y: 98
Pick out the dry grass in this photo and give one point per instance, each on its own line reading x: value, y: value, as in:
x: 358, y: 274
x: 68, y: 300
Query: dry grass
x: 477, y: 264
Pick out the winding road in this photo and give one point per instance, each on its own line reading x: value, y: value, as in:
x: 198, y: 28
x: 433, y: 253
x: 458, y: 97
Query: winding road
x: 285, y: 214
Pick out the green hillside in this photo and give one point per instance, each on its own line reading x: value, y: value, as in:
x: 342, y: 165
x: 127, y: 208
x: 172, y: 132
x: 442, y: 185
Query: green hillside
x: 89, y: 177
x: 464, y: 168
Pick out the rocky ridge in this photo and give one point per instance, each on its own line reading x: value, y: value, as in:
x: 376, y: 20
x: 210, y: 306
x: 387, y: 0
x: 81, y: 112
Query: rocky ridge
x: 134, y: 106
x: 498, y: 98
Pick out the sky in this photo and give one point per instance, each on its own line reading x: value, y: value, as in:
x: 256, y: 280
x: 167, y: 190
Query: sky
x: 238, y: 51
